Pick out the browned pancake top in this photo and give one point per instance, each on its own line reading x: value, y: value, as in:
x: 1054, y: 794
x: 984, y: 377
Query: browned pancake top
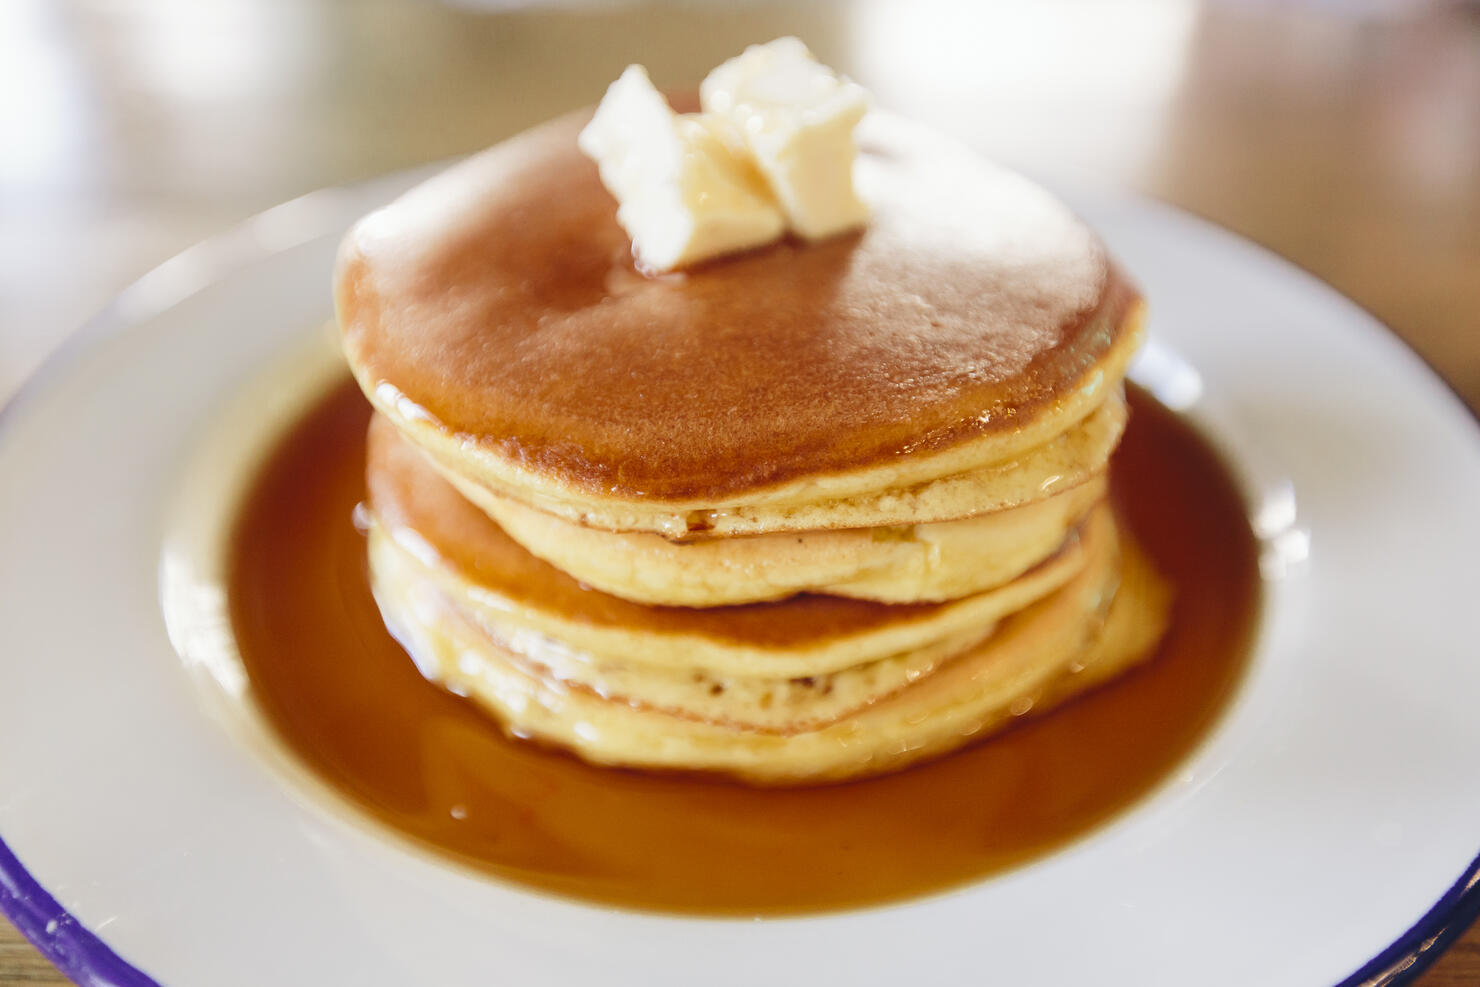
x: 409, y: 496
x: 501, y: 299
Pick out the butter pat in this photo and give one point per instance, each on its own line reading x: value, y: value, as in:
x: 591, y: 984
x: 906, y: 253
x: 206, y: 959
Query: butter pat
x: 796, y: 117
x: 685, y: 188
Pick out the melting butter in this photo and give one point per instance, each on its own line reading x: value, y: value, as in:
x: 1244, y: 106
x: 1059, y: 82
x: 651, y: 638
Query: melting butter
x: 773, y: 150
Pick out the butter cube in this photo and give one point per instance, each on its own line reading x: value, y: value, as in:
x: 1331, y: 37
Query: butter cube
x: 685, y: 189
x: 796, y: 116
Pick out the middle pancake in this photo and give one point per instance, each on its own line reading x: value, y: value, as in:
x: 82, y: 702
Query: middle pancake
x: 423, y: 527
x: 907, y: 563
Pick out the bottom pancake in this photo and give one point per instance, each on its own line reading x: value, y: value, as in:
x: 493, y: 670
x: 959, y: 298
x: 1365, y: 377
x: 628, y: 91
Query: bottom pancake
x: 1109, y: 615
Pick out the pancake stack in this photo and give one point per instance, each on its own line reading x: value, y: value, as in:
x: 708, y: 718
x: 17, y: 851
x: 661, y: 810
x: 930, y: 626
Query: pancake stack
x: 806, y: 513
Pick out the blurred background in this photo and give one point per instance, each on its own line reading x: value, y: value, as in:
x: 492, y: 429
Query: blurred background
x: 1343, y: 135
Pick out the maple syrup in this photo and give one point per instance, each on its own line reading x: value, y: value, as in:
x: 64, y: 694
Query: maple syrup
x: 348, y: 700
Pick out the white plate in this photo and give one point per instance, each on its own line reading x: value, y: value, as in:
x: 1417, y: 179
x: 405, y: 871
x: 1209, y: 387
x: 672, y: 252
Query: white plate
x: 1334, y: 806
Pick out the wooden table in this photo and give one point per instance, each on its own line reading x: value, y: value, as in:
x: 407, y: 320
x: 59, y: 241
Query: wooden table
x: 1351, y: 146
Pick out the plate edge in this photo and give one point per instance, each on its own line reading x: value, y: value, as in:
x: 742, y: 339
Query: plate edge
x: 86, y: 959
x: 1416, y: 950
x: 74, y: 949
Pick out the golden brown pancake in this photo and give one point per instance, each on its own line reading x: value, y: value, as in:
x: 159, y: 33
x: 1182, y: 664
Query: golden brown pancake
x: 494, y: 314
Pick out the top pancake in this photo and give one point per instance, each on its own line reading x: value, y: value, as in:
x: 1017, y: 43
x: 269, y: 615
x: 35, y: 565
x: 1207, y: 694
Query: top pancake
x: 496, y: 310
